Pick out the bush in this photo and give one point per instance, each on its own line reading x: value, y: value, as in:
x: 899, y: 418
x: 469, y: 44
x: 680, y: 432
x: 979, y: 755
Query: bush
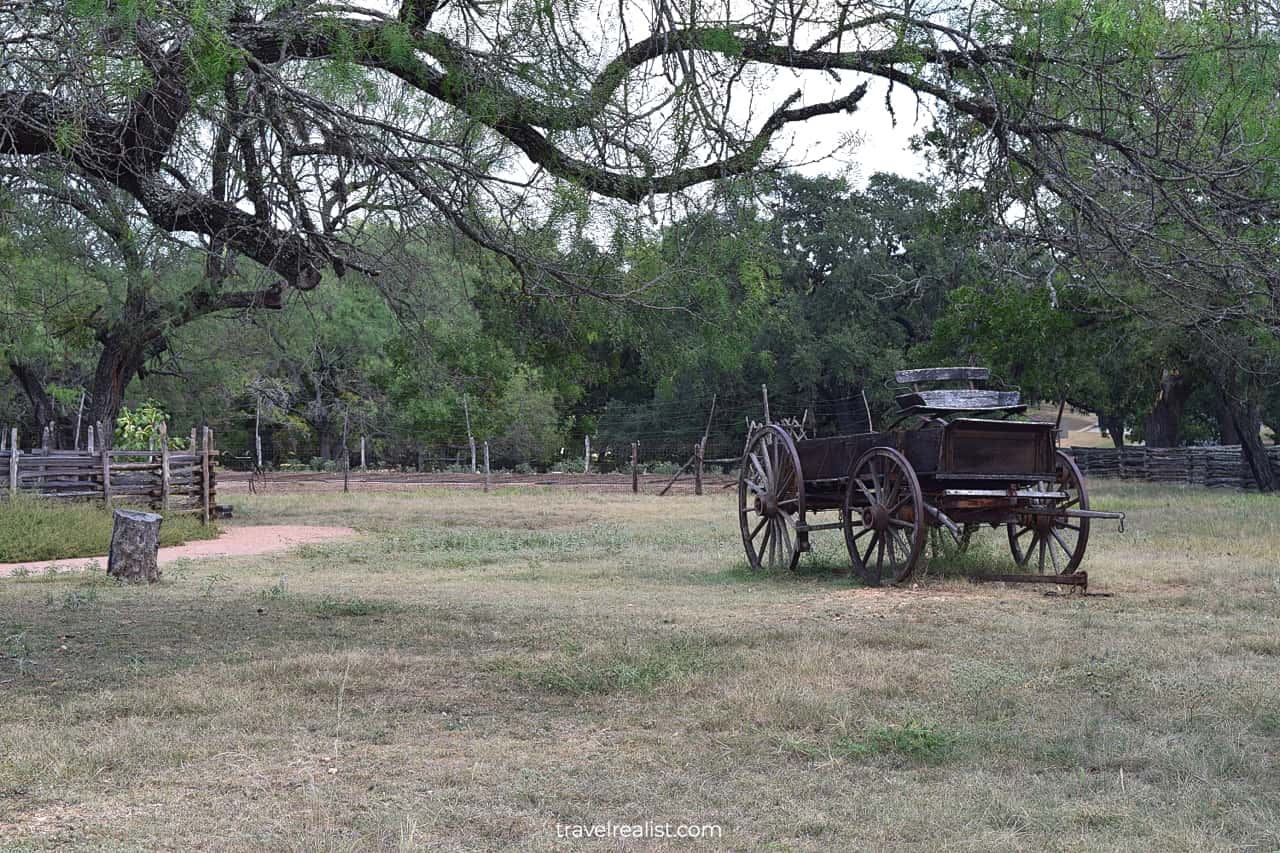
x: 32, y: 529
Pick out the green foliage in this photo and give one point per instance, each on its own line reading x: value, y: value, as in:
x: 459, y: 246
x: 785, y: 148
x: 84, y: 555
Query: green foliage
x: 139, y: 428
x: 720, y: 40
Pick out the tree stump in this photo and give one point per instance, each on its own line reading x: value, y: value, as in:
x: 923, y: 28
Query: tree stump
x: 135, y: 541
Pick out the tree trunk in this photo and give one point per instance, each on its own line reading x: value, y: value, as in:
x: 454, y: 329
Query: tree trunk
x: 1113, y: 426
x: 41, y: 403
x: 1247, y: 419
x: 1165, y: 419
x: 1227, y: 432
x: 118, y: 364
x: 135, y: 543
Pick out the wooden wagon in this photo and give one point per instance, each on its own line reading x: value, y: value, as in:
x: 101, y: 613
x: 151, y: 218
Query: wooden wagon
x: 952, y: 459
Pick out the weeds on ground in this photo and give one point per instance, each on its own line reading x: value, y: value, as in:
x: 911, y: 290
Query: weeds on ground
x: 34, y: 530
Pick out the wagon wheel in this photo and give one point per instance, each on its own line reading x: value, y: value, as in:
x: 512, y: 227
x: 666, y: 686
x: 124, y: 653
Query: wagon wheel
x: 1056, y: 542
x: 771, y: 500
x: 884, y: 526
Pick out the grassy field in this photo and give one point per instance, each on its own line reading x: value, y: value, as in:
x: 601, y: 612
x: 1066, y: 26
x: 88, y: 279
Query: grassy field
x: 51, y: 530
x: 474, y: 670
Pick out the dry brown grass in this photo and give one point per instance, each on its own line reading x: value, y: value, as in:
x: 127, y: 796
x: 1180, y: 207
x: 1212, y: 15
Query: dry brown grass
x: 476, y: 669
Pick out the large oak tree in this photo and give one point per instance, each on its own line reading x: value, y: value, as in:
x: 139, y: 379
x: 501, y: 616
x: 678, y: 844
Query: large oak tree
x: 273, y: 131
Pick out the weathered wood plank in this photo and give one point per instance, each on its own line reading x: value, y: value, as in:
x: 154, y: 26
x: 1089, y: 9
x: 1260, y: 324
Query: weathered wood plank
x: 958, y: 399
x: 942, y: 374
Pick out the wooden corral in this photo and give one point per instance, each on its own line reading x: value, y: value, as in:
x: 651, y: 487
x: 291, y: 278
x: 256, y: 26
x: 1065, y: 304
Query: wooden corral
x: 165, y: 480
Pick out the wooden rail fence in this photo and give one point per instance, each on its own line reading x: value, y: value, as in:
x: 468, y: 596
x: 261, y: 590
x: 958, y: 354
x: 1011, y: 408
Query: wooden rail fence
x: 163, y: 479
x: 1221, y: 467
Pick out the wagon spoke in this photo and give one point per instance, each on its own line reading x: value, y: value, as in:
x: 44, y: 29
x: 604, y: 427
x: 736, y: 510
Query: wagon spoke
x: 902, y: 523
x: 787, y: 481
x: 1023, y: 532
x: 892, y: 540
x: 755, y: 461
x: 1042, y: 545
x: 756, y: 532
x: 904, y: 544
x: 1069, y: 526
x: 1068, y: 550
x: 863, y: 532
x: 788, y: 501
x: 1053, y: 555
x: 871, y: 546
x: 768, y: 466
x: 1025, y: 557
x: 880, y: 559
x: 895, y: 484
x: 786, y: 537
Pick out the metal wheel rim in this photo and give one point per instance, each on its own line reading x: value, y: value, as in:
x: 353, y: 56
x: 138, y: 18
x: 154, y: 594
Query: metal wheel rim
x: 1060, y: 549
x: 882, y: 477
x: 771, y: 471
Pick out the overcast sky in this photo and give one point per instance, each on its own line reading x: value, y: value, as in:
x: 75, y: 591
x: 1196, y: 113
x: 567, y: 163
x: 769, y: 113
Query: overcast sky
x: 884, y: 145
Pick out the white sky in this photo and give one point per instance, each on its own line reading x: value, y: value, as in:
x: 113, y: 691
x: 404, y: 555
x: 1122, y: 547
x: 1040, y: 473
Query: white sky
x: 884, y: 146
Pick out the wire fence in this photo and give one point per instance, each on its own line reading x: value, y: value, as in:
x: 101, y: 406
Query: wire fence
x: 665, y: 433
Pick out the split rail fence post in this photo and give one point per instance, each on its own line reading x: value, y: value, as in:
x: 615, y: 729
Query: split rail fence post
x: 89, y: 445
x: 471, y: 439
x: 635, y: 467
x: 697, y: 468
x: 205, y: 467
x: 14, y: 453
x: 363, y: 464
x: 106, y: 475
x: 346, y: 455
x: 257, y: 433
x: 164, y: 466
x: 586, y: 454
x: 764, y: 391
x: 79, y: 418
x: 486, y: 466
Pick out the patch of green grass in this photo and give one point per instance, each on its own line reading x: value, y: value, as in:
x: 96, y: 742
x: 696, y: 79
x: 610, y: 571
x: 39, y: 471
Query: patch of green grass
x: 328, y: 608
x: 578, y: 672
x: 278, y: 591
x: 923, y: 742
x: 37, y: 530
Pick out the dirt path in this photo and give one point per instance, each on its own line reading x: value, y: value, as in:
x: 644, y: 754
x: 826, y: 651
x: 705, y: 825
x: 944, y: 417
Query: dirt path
x: 233, y: 542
